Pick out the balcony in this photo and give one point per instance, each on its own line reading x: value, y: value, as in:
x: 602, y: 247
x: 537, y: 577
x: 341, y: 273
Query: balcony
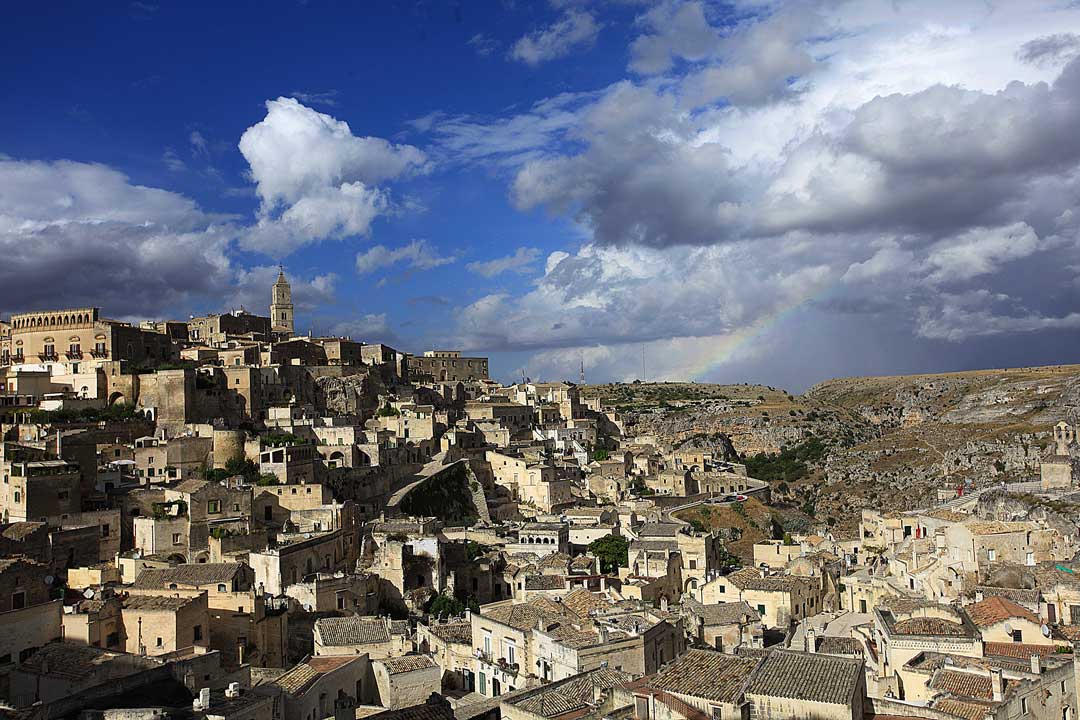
x: 46, y: 356
x: 500, y: 663
x: 99, y: 353
x: 73, y: 355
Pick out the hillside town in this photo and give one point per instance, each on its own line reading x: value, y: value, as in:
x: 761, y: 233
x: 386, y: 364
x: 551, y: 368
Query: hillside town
x: 222, y: 518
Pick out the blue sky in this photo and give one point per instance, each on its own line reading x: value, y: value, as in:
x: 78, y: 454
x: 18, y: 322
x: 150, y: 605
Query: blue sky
x: 767, y: 191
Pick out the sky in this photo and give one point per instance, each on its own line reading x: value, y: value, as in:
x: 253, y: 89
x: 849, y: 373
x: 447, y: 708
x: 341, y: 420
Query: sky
x: 747, y: 191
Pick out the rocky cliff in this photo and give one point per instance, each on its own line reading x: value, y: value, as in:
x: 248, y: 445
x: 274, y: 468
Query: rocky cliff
x: 892, y: 442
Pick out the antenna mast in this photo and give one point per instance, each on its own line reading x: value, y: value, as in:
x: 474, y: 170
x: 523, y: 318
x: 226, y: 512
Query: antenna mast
x: 642, y: 363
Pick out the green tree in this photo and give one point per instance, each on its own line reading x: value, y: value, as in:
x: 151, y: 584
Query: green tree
x: 613, y: 552
x: 244, y: 467
x: 443, y: 605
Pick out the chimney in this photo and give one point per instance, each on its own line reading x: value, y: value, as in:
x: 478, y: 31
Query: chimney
x: 233, y: 691
x: 811, y: 639
x: 1036, y: 664
x: 468, y: 615
x: 997, y: 684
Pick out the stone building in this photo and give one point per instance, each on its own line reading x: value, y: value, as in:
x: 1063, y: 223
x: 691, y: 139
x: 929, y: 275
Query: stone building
x: 1056, y: 469
x: 281, y: 307
x: 160, y: 624
x: 376, y: 637
x: 79, y: 340
x: 405, y: 680
x: 447, y: 366
x: 807, y: 685
x: 217, y: 330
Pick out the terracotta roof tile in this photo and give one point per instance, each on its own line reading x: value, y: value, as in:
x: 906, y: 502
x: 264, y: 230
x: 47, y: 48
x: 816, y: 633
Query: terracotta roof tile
x: 997, y: 609
x: 808, y: 676
x: 705, y: 674
x: 407, y: 663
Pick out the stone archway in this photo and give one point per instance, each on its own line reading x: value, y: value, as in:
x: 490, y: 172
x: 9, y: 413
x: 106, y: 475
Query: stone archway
x: 117, y: 398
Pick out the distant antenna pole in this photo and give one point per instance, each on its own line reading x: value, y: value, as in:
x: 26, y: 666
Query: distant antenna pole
x: 583, y: 370
x: 642, y: 363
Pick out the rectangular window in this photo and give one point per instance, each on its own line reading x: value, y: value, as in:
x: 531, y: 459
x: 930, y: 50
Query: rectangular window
x: 160, y: 643
x: 487, y: 643
x: 197, y: 633
x: 105, y: 530
x: 693, y: 564
x: 761, y: 610
x: 511, y: 653
x: 18, y: 600
x: 991, y: 554
x: 483, y: 684
x: 176, y: 538
x: 213, y: 506
x: 1018, y: 636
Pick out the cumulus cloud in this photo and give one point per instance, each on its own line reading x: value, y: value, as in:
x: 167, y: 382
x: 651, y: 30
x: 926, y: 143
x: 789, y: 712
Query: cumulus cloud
x: 419, y: 254
x: 611, y: 295
x: 252, y: 288
x: 80, y: 234
x: 1050, y: 49
x: 916, y: 167
x: 575, y: 28
x: 366, y: 327
x: 315, y: 179
x: 673, y: 31
x: 521, y: 261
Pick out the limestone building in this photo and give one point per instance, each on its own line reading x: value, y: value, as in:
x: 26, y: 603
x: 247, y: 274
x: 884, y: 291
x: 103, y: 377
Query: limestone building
x: 447, y: 366
x: 281, y: 307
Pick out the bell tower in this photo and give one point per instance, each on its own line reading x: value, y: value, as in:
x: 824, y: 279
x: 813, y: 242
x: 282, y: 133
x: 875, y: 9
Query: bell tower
x: 281, y: 307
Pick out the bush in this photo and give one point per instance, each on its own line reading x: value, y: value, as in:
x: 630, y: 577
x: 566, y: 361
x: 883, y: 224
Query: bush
x: 388, y: 410
x: 791, y: 463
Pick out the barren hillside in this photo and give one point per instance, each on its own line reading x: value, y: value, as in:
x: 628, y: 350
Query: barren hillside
x: 888, y: 441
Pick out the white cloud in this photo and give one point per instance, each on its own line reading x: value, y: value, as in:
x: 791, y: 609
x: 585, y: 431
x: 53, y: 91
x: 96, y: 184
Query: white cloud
x: 419, y: 254
x: 872, y: 155
x: 980, y: 251
x: 82, y: 234
x: 315, y: 179
x: 575, y: 28
x: 521, y: 261
x: 674, y: 30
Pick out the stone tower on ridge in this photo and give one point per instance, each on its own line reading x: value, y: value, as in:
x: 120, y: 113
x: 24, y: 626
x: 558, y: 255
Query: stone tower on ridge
x: 281, y: 307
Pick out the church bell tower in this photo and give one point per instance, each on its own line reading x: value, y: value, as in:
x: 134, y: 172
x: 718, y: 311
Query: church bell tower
x: 281, y: 307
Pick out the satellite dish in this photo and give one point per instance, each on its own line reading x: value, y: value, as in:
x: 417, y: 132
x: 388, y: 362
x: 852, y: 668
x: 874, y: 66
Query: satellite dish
x: 88, y: 593
x: 1045, y: 630
x: 49, y: 579
x: 1008, y: 629
x: 307, y: 607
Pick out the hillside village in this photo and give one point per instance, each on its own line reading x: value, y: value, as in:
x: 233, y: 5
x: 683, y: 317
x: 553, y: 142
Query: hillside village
x: 220, y: 518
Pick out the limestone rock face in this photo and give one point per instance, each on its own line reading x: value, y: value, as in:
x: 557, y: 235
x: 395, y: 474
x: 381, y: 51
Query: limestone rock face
x: 348, y: 395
